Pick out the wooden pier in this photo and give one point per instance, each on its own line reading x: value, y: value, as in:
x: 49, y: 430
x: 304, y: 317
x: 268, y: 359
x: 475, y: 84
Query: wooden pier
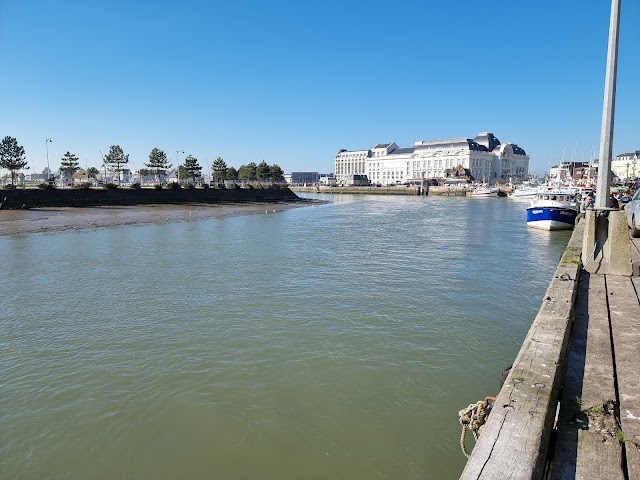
x: 570, y: 406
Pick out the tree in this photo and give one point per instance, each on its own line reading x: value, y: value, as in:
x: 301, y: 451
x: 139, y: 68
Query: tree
x: 277, y: 174
x: 192, y: 167
x: 48, y: 174
x: 247, y: 172
x: 12, y: 156
x: 232, y: 174
x: 262, y: 171
x: 92, y: 172
x: 115, y: 159
x: 182, y: 172
x: 219, y: 169
x: 158, y: 162
x: 69, y: 164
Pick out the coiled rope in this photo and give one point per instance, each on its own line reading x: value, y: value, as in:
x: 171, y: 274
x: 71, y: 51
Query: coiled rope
x: 473, y: 418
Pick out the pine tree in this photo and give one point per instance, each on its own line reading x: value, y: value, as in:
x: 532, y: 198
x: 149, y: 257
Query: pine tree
x: 192, y: 167
x: 219, y: 169
x: 69, y: 164
x: 262, y: 171
x: 92, y: 172
x: 116, y: 158
x: 158, y: 162
x: 232, y: 174
x: 276, y: 173
x: 247, y: 172
x: 12, y: 156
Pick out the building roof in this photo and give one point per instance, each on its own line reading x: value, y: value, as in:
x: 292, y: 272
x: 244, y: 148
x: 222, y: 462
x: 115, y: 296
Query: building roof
x: 518, y: 150
x: 402, y: 151
x: 342, y: 150
x: 632, y: 154
x: 461, y: 142
x: 488, y: 140
x: 382, y: 145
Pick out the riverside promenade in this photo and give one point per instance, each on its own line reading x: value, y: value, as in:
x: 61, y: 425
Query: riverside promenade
x: 570, y: 406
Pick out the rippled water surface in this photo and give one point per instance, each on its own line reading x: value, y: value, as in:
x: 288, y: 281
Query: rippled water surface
x: 335, y: 341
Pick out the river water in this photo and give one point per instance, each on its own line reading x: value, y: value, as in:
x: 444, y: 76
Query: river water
x: 333, y: 341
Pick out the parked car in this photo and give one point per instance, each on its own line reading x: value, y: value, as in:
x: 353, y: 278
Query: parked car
x: 632, y: 210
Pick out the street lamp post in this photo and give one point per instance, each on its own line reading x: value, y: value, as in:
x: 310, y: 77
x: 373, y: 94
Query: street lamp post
x: 46, y: 143
x: 178, y: 164
x: 208, y: 171
x: 627, y: 179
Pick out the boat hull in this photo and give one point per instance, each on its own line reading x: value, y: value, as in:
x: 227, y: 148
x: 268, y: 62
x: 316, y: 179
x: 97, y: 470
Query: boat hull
x: 484, y: 193
x: 551, y: 218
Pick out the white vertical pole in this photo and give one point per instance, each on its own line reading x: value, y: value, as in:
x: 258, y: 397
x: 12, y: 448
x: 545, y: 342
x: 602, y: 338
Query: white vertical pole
x: 608, y: 110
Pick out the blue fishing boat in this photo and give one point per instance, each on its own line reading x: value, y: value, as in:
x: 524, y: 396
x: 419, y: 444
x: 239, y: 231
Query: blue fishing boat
x: 553, y: 210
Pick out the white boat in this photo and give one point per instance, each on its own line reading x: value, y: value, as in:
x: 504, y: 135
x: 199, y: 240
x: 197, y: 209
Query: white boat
x: 527, y: 190
x: 483, y: 191
x: 553, y: 210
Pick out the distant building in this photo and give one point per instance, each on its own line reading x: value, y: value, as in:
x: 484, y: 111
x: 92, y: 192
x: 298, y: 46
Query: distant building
x: 301, y: 178
x: 484, y: 157
x: 356, y: 180
x: 625, y: 166
x: 80, y: 177
x: 328, y: 180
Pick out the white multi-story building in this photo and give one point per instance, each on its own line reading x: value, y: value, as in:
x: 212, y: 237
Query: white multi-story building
x: 625, y: 166
x: 485, y: 157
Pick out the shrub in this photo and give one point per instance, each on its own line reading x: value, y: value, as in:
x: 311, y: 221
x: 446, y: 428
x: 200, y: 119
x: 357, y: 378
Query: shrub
x: 110, y: 186
x: 236, y: 186
x: 46, y: 186
x: 135, y: 186
x: 83, y: 186
x: 190, y: 186
x: 175, y: 186
x: 10, y: 186
x: 205, y: 186
x: 158, y: 187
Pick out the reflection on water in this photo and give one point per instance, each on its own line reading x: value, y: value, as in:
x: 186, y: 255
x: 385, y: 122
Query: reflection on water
x: 331, y: 341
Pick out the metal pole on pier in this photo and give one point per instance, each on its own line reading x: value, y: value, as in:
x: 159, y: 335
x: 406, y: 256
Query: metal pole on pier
x: 607, y: 238
x: 608, y: 110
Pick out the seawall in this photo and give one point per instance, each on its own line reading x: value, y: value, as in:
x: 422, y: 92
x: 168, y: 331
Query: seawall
x: 36, y: 198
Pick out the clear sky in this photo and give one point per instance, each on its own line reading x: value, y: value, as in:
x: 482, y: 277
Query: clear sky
x: 291, y: 83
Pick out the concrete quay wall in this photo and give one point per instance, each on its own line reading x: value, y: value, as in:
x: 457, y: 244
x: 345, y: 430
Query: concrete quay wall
x: 410, y: 190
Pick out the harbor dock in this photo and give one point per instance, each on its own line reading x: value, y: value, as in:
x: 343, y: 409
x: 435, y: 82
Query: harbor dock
x: 570, y: 405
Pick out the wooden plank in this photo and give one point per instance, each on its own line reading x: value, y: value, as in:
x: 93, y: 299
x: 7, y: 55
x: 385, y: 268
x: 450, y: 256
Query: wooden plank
x: 582, y: 450
x: 514, y: 441
x: 598, y: 456
x: 624, y: 312
x: 633, y: 460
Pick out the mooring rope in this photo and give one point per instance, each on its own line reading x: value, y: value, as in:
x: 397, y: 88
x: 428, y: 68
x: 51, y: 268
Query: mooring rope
x: 595, y: 245
x: 473, y: 418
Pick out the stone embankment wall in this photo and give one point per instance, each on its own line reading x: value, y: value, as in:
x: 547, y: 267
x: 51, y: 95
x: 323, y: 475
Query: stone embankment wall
x: 361, y: 190
x: 36, y: 198
x: 410, y: 190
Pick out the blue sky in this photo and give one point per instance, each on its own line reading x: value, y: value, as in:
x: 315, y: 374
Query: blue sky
x: 293, y: 82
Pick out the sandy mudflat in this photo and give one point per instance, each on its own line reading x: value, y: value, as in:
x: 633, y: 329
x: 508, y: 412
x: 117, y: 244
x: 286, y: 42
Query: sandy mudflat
x: 44, y: 220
